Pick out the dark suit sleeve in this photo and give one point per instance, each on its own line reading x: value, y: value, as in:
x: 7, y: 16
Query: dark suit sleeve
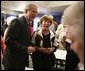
x: 12, y: 39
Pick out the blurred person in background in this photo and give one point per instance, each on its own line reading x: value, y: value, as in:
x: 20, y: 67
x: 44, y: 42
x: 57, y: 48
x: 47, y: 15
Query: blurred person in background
x: 73, y: 19
x: 54, y: 25
x: 3, y: 28
x: 9, y: 19
x: 59, y: 34
x: 64, y: 44
x: 77, y: 45
x: 3, y: 49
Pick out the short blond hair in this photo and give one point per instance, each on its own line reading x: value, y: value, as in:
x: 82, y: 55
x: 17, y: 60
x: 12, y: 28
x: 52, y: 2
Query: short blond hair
x: 46, y: 17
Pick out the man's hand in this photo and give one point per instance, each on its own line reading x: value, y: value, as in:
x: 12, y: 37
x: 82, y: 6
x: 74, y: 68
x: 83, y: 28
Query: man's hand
x: 30, y: 49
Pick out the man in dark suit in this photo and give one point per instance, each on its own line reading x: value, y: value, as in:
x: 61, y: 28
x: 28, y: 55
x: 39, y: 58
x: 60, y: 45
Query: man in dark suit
x: 18, y: 40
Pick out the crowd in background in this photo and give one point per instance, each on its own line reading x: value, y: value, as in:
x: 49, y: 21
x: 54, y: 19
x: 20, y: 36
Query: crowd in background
x: 19, y: 39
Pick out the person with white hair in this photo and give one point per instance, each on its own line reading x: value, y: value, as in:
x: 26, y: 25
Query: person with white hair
x: 9, y: 19
x: 77, y: 44
x: 3, y: 49
x: 60, y: 33
x: 64, y: 44
x: 54, y: 25
x: 73, y: 19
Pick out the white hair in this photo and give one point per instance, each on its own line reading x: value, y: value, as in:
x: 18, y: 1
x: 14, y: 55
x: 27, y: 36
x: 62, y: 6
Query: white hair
x: 73, y: 13
x: 77, y: 30
x: 51, y: 16
x: 74, y: 17
x: 9, y: 19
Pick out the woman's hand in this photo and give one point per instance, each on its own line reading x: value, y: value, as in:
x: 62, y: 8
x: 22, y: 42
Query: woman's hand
x: 45, y: 50
x: 50, y: 50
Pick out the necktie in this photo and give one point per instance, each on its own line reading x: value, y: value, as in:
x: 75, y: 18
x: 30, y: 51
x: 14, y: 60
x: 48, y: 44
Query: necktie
x: 30, y: 29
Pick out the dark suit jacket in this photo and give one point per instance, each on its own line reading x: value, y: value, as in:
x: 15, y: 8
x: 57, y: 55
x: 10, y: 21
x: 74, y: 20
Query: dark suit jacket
x: 17, y: 40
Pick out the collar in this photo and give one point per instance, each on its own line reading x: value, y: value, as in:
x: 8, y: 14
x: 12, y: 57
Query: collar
x: 28, y: 21
x: 40, y: 34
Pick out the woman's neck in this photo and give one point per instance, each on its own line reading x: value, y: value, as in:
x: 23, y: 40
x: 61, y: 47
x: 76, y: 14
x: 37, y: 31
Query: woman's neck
x: 45, y: 32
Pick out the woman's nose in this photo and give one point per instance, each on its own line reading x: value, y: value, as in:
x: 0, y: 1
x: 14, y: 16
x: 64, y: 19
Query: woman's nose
x: 47, y: 23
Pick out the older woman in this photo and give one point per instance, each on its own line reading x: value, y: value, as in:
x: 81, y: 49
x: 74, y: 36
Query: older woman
x: 43, y: 39
x: 73, y: 18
